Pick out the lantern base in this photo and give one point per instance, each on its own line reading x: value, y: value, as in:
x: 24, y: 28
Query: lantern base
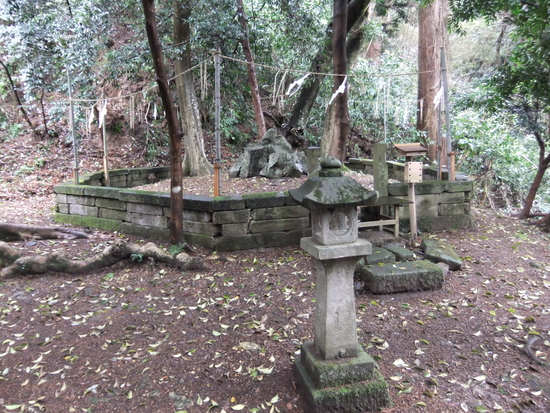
x: 340, y: 385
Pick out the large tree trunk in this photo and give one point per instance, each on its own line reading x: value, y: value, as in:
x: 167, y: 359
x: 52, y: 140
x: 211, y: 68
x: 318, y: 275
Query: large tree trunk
x: 544, y: 161
x: 251, y: 69
x: 174, y: 130
x: 432, y: 29
x: 195, y: 162
x: 337, y: 118
x: 357, y: 12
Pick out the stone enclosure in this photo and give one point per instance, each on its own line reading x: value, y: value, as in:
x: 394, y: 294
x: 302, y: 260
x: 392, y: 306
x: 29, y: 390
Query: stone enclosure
x: 235, y: 222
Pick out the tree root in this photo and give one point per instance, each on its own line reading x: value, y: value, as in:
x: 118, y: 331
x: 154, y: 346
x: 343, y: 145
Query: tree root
x: 16, y: 232
x: 118, y: 251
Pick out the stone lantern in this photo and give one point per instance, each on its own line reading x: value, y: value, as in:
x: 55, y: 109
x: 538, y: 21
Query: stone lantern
x: 334, y: 371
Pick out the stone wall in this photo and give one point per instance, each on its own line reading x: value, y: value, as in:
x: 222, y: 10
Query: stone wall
x: 219, y: 223
x: 235, y: 222
x: 440, y: 205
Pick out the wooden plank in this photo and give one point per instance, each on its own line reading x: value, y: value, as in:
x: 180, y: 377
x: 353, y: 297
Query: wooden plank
x: 410, y: 149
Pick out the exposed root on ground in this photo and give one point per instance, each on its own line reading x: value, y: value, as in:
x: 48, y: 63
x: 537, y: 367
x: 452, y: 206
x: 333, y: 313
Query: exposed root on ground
x: 118, y: 251
x: 16, y: 232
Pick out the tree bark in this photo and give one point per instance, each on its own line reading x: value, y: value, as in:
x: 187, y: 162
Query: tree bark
x: 174, y: 130
x: 19, y: 104
x: 432, y: 29
x: 337, y: 125
x: 357, y: 11
x: 195, y: 162
x: 251, y: 69
x: 544, y: 162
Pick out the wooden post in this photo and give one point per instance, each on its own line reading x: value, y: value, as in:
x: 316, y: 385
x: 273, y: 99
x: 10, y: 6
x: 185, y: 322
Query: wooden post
x: 447, y: 113
x: 217, y: 99
x: 452, y: 172
x: 412, y: 211
x: 105, y: 161
x: 75, y: 148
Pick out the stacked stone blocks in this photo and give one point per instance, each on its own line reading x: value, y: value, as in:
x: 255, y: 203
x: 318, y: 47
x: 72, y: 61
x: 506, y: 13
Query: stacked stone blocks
x: 220, y: 223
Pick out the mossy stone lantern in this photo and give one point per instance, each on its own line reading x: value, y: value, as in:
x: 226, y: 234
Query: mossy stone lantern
x: 335, y: 360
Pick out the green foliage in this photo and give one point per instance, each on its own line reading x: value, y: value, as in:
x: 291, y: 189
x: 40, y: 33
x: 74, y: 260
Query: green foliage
x: 175, y: 249
x: 44, y: 39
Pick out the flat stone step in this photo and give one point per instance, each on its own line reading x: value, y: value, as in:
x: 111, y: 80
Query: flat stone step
x: 402, y: 277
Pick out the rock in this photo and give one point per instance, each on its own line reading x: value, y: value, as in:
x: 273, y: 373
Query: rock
x: 272, y: 158
x: 403, y: 277
x: 435, y: 251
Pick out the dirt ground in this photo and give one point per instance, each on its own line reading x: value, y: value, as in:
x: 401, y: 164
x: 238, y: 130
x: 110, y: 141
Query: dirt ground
x: 144, y: 337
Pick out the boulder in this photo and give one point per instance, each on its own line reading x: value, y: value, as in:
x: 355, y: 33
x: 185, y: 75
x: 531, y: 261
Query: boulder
x: 272, y: 158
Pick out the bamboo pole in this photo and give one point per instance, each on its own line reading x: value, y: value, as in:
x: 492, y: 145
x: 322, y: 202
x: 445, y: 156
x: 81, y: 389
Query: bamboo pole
x: 73, y: 135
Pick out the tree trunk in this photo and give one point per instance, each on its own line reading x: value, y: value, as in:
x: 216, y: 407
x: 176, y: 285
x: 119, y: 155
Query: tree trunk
x: 432, y: 29
x: 195, y: 162
x: 19, y: 104
x: 357, y: 11
x: 525, y: 211
x: 252, y: 81
x: 174, y: 130
x: 337, y: 125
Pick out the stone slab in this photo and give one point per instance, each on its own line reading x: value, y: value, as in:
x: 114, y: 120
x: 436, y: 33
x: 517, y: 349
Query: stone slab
x: 331, y: 252
x: 110, y: 203
x: 451, y: 197
x: 114, y: 214
x: 69, y: 189
x: 296, y: 211
x: 264, y: 200
x: 199, y: 216
x: 144, y: 209
x: 90, y: 222
x: 276, y: 225
x: 379, y: 255
x: 62, y: 208
x: 145, y: 197
x: 452, y: 209
x: 145, y: 232
x: 436, y: 251
x: 204, y: 228
x: 89, y: 211
x: 224, y: 203
x: 149, y: 220
x: 439, y: 223
x: 81, y: 200
x: 197, y: 203
x: 401, y: 253
x: 205, y: 241
x: 61, y: 198
x: 231, y: 217
x: 234, y: 230
x: 403, y: 277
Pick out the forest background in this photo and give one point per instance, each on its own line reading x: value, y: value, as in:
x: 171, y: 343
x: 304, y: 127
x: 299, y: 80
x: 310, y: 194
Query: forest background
x: 499, y: 117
